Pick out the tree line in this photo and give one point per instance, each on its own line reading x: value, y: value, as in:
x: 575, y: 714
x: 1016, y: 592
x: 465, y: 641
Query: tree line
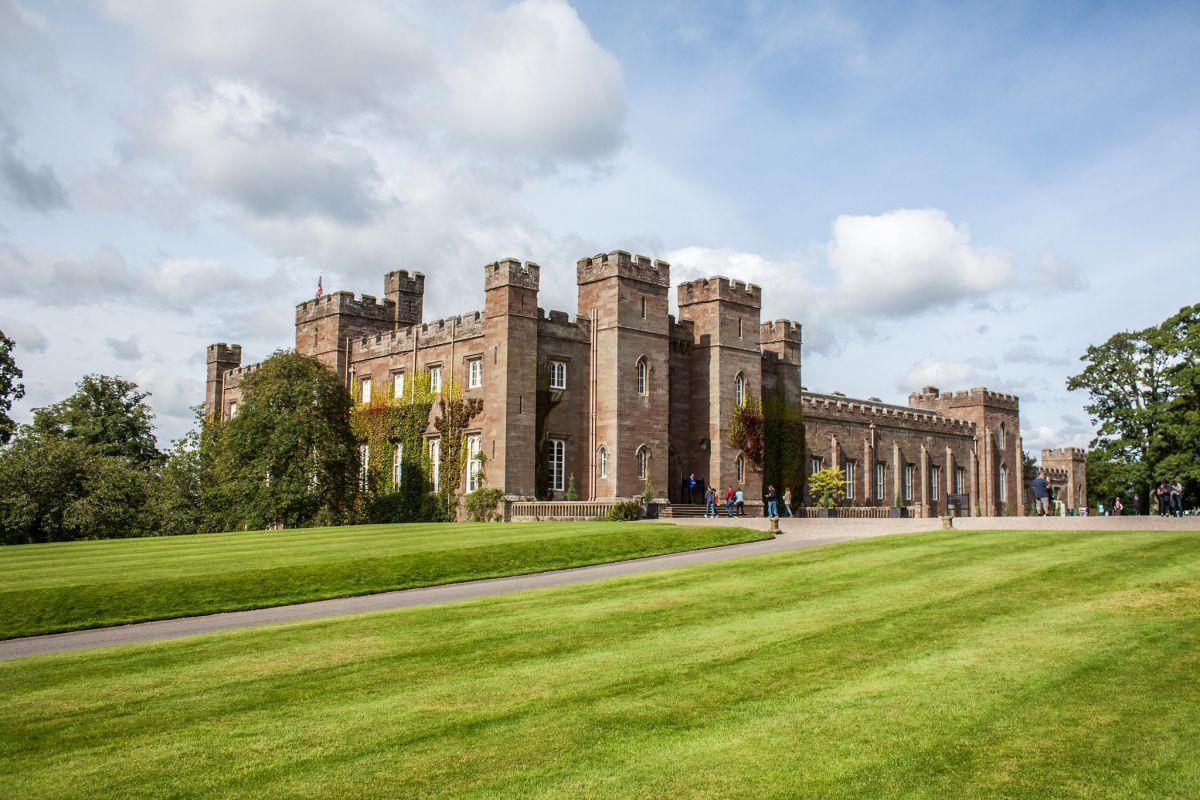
x: 88, y: 467
x: 1143, y: 396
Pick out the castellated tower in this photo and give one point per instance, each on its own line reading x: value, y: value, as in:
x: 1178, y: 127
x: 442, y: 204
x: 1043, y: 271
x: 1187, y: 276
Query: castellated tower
x: 726, y: 362
x: 996, y: 415
x: 406, y: 290
x: 1073, y: 461
x: 221, y: 357
x: 625, y: 299
x: 510, y: 329
x: 781, y: 341
x: 326, y: 326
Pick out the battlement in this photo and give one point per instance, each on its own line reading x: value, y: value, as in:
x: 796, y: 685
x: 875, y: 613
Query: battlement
x: 425, y: 334
x: 367, y: 307
x: 621, y: 264
x: 932, y: 396
x: 706, y: 290
x: 838, y: 406
x: 401, y: 280
x: 560, y: 324
x: 222, y: 353
x: 234, y: 375
x: 682, y: 328
x: 1064, y: 454
x: 511, y: 272
x: 780, y: 330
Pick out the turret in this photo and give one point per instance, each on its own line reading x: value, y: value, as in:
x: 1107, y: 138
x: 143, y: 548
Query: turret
x: 407, y: 291
x: 221, y: 357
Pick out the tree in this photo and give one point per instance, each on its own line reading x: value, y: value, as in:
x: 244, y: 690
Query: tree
x: 828, y: 486
x: 1128, y: 388
x: 1180, y: 428
x: 288, y: 457
x: 182, y: 497
x: 11, y: 388
x: 106, y: 412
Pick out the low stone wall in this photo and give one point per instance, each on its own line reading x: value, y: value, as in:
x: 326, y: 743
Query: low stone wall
x: 525, y: 511
x: 854, y: 512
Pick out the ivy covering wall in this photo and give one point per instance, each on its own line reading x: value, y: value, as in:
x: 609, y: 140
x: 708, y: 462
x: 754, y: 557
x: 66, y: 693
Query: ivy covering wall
x: 769, y: 433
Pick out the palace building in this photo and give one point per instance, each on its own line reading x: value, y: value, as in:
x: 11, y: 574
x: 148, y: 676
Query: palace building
x: 640, y: 396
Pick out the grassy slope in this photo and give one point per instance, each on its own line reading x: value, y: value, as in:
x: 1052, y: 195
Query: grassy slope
x: 960, y: 665
x: 69, y: 585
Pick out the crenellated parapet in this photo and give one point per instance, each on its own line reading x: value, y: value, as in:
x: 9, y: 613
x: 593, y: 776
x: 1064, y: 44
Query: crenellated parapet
x: 931, y: 396
x: 560, y: 325
x: 427, y: 334
x: 839, y: 407
x: 365, y: 306
x: 621, y: 264
x: 706, y: 290
x: 1064, y: 453
x: 511, y: 272
x: 780, y: 330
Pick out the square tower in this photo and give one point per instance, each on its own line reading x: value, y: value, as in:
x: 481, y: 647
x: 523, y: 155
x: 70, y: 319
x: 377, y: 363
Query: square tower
x: 625, y: 299
x: 1073, y: 461
x: 326, y: 326
x: 407, y: 291
x: 221, y: 357
x: 726, y: 370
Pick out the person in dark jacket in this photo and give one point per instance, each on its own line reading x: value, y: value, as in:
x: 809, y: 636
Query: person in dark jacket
x: 1041, y: 494
x: 772, y: 502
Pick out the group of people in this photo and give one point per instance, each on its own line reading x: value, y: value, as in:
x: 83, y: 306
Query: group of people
x: 1169, y: 497
x: 735, y: 500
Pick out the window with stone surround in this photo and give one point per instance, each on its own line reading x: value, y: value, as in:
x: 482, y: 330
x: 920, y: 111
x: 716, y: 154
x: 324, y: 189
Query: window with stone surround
x: 435, y: 380
x: 558, y: 375
x: 740, y: 464
x: 364, y: 466
x: 935, y: 482
x: 643, y: 308
x: 435, y: 462
x: 364, y: 390
x: 880, y: 479
x: 1003, y: 483
x: 474, y: 373
x: 960, y: 480
x: 739, y: 389
x: 603, y: 459
x: 814, y: 465
x: 910, y: 471
x: 232, y: 410
x: 1001, y: 436
x: 398, y: 385
x: 397, y: 465
x: 558, y: 464
x: 474, y: 465
x: 643, y: 463
x: 643, y: 376
x: 851, y: 475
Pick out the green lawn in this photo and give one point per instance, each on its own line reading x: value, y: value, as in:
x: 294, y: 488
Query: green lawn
x: 69, y: 585
x: 939, y: 665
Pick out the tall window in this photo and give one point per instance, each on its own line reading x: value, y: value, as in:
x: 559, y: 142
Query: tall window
x: 558, y: 463
x: 558, y: 374
x: 435, y: 380
x: 909, y: 471
x: 232, y: 410
x: 1000, y: 435
x: 643, y: 308
x: 435, y: 462
x: 642, y: 377
x: 474, y: 465
x: 740, y: 463
x: 364, y: 390
x: 364, y: 466
x: 643, y: 463
x: 935, y: 482
x: 739, y: 389
x: 603, y: 461
x: 398, y: 385
x: 814, y: 465
x: 851, y: 476
x: 739, y: 327
x: 960, y: 480
x: 397, y: 465
x: 474, y: 374
x: 1003, y: 483
x: 880, y: 479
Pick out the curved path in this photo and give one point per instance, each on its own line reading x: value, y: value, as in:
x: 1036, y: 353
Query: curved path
x: 406, y: 598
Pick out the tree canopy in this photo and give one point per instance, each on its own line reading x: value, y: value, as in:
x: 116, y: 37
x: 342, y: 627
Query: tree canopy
x: 109, y: 413
x: 11, y: 388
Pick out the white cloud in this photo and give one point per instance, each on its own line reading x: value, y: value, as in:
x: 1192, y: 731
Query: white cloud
x: 1054, y: 273
x: 26, y: 336
x: 907, y: 261
x: 944, y: 373
x: 170, y: 395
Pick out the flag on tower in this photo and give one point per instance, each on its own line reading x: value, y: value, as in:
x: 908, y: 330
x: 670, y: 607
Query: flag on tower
x: 320, y: 291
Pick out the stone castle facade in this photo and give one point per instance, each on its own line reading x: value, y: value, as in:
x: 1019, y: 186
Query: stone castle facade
x: 640, y: 395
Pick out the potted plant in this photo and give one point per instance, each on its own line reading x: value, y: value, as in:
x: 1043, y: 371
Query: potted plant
x: 829, y: 487
x: 899, y: 510
x: 650, y: 507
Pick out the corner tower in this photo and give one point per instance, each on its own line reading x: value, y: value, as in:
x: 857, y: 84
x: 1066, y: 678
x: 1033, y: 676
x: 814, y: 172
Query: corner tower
x: 510, y: 329
x: 326, y: 326
x: 406, y: 290
x: 221, y: 357
x: 625, y: 299
x: 1073, y: 461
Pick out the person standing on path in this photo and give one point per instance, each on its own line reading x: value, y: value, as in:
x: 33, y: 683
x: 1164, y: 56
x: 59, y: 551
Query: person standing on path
x: 1163, y: 495
x: 739, y: 500
x: 1041, y: 494
x: 729, y: 497
x: 787, y: 500
x: 1177, y: 497
x: 691, y: 484
x: 772, y: 502
x: 710, y: 502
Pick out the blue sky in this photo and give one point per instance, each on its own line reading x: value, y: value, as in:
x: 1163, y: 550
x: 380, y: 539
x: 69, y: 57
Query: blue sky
x: 958, y: 194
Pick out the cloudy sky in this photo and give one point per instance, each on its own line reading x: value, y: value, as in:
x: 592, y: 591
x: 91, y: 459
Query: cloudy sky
x: 952, y: 194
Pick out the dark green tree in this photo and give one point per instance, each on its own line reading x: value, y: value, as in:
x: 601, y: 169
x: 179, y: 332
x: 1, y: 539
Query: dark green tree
x: 288, y: 457
x: 106, y: 412
x: 1180, y: 445
x: 11, y: 388
x: 182, y: 497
